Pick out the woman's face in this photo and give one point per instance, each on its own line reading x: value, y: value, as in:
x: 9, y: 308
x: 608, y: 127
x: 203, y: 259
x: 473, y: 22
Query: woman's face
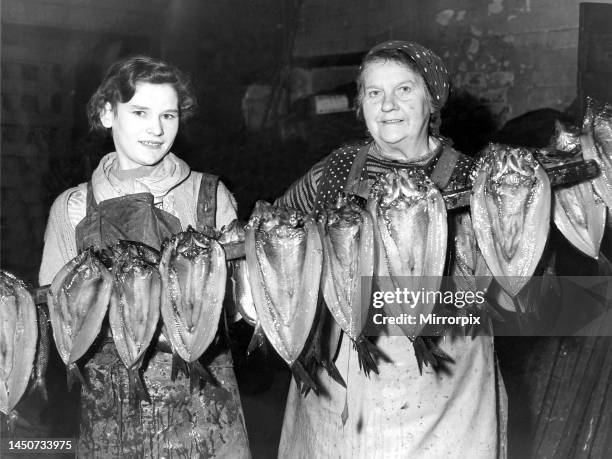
x: 395, y: 105
x: 144, y: 127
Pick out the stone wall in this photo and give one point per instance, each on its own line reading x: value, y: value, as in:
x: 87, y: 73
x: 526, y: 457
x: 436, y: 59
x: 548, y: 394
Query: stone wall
x: 514, y: 55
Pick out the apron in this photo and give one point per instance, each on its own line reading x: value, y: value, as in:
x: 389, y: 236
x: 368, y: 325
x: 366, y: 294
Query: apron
x: 401, y: 413
x: 208, y: 423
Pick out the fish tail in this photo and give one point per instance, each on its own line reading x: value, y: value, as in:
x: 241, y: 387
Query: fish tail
x: 258, y: 341
x: 138, y: 392
x: 40, y: 386
x: 199, y: 373
x: 74, y: 376
x: 303, y: 380
x: 178, y: 364
x: 332, y: 371
x: 366, y: 352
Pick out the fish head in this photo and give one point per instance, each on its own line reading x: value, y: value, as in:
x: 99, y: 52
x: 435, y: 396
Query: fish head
x: 191, y: 244
x: 346, y: 210
x: 566, y: 138
x: 401, y: 189
x: 234, y: 232
x: 512, y: 168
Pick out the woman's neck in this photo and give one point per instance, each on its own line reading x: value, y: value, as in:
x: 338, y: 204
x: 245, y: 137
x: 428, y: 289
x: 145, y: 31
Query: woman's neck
x: 415, y: 151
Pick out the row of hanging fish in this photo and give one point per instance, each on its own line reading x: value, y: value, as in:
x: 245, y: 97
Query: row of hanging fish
x: 136, y: 285
x: 398, y: 236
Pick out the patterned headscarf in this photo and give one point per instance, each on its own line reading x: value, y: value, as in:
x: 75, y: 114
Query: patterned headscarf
x: 431, y: 68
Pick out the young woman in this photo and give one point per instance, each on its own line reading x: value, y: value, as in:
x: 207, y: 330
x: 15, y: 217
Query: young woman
x: 143, y: 192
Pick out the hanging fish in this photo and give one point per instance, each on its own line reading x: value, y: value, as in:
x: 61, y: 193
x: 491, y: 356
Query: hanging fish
x: 193, y: 274
x: 469, y: 270
x: 410, y: 233
x: 510, y: 207
x: 596, y: 144
x: 38, y: 380
x: 134, y: 307
x: 241, y: 288
x: 347, y: 237
x: 564, y: 146
x: 18, y: 337
x: 566, y: 138
x: 581, y: 216
x: 78, y: 300
x: 284, y: 257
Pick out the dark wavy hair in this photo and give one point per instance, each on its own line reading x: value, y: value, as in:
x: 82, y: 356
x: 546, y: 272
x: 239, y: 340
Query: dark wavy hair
x: 386, y: 55
x: 119, y: 86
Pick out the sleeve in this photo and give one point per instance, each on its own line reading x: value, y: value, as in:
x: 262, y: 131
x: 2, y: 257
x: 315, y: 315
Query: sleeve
x: 303, y: 192
x: 60, y: 243
x: 226, y: 206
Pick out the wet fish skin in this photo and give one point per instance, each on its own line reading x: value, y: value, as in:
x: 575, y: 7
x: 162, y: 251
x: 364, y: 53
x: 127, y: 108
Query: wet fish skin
x: 348, y: 259
x: 410, y: 233
x: 284, y: 257
x: 596, y: 144
x: 241, y: 291
x: 580, y: 215
x: 239, y: 277
x: 510, y: 208
x: 193, y: 274
x: 78, y: 299
x: 347, y: 239
x: 134, y: 307
x: 18, y: 338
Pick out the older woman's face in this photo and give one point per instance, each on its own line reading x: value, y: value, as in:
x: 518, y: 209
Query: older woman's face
x: 394, y: 103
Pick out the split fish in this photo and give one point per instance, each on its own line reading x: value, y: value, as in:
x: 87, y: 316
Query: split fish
x: 284, y: 258
x: 410, y: 233
x: 78, y: 300
x: 193, y: 274
x: 134, y: 307
x: 347, y: 237
x: 596, y: 143
x: 510, y: 208
x: 18, y: 337
x: 581, y: 216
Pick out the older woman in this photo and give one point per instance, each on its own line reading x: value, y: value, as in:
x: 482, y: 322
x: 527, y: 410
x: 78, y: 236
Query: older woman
x: 398, y: 413
x: 143, y: 192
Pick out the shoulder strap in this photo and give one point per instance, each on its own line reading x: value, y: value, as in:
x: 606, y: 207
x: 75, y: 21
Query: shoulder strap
x: 354, y: 178
x: 443, y: 170
x: 90, y: 200
x: 207, y: 202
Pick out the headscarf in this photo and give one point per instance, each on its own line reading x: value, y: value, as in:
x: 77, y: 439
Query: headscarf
x: 430, y: 66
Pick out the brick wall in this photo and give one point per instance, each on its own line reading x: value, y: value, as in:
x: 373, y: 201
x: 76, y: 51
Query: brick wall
x: 514, y: 55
